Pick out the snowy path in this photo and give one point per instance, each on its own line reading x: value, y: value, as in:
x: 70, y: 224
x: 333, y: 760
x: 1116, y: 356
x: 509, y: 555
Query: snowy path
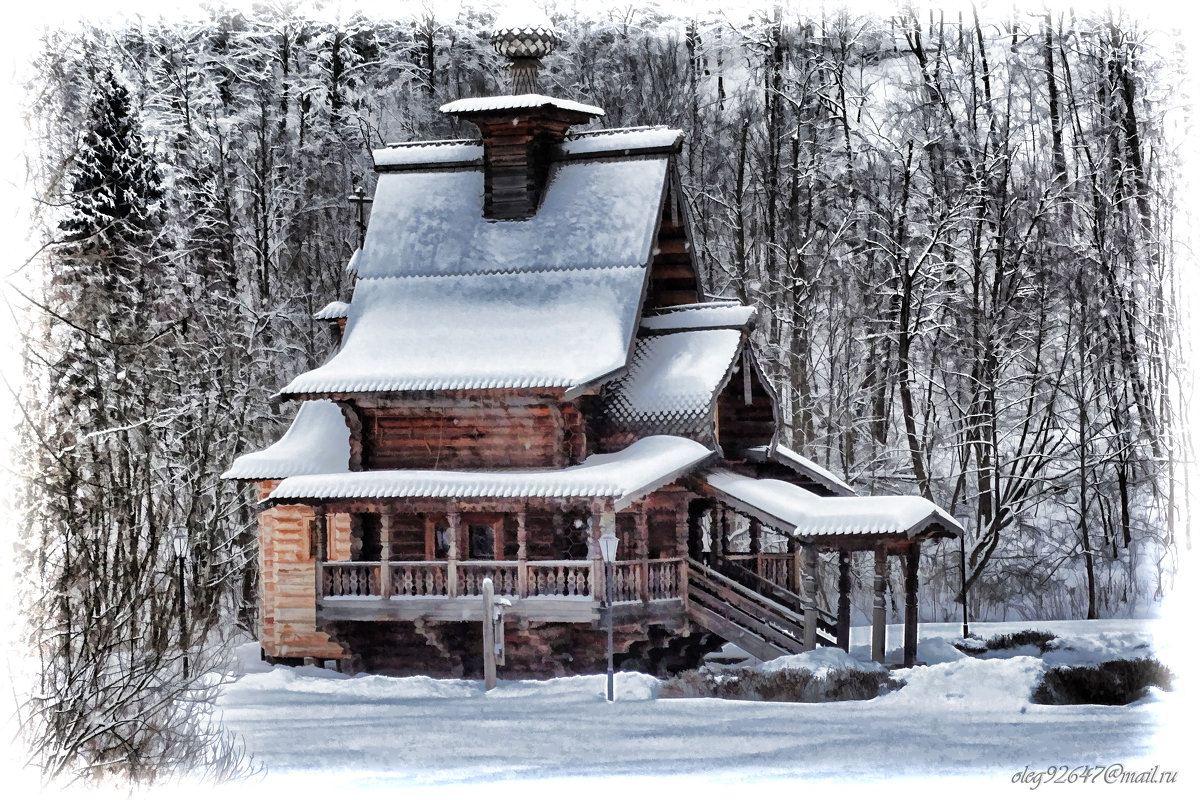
x: 966, y: 717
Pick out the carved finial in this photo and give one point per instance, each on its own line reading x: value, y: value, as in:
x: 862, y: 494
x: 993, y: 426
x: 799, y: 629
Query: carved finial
x: 524, y: 35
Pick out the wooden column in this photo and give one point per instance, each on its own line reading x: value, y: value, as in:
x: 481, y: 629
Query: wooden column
x: 642, y: 538
x: 911, y: 564
x: 879, y: 609
x: 319, y: 547
x: 723, y: 534
x: 522, y: 555
x: 795, y: 569
x: 756, y: 545
x: 385, y: 552
x: 604, y: 522
x: 320, y: 543
x: 843, y: 609
x: 810, y: 597
x: 681, y: 531
x: 714, y: 535
x: 453, y: 522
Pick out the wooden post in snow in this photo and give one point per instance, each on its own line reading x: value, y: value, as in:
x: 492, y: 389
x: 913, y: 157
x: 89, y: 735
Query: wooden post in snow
x: 489, y: 635
x: 879, y: 609
x: 912, y: 562
x: 843, y: 609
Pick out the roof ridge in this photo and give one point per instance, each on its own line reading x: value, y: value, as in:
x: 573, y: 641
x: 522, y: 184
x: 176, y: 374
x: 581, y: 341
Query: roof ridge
x: 431, y: 143
x: 511, y: 271
x: 610, y: 131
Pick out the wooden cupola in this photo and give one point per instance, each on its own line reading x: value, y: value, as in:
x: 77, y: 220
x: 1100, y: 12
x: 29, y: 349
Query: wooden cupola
x: 521, y: 129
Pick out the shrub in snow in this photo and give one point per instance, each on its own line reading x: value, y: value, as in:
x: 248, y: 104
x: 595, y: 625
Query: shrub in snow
x: 1042, y: 640
x: 1113, y: 683
x: 780, y: 685
x: 1011, y: 641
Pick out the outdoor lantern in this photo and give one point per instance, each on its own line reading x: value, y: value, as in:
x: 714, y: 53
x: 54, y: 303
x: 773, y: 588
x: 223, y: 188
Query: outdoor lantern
x: 608, y: 547
x: 179, y: 541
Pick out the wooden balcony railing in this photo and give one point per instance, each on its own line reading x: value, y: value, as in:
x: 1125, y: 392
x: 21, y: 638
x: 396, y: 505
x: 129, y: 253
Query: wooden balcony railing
x: 633, y: 581
x: 776, y: 567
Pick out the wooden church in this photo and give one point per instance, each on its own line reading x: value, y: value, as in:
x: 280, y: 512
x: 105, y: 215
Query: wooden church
x: 529, y: 363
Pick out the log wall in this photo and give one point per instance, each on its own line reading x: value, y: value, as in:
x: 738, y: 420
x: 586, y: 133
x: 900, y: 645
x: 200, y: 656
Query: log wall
x: 472, y: 434
x: 287, y: 589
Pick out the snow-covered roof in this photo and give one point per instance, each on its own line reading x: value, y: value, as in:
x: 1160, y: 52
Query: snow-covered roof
x: 594, y: 214
x: 622, y: 140
x: 335, y: 310
x: 318, y: 441
x: 473, y: 105
x: 805, y: 515
x: 807, y: 467
x: 672, y: 381
x: 559, y: 328
x: 419, y: 154
x: 719, y: 314
x: 623, y: 477
x: 352, y: 264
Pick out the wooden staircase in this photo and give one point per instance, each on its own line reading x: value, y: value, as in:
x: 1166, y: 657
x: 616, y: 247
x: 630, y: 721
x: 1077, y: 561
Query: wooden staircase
x: 758, y: 624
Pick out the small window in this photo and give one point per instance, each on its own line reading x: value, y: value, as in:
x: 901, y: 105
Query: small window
x: 441, y: 542
x: 481, y: 542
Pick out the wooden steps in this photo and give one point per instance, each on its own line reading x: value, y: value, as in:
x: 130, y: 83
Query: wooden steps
x: 761, y: 626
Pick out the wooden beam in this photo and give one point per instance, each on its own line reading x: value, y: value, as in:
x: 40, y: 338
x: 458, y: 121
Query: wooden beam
x: 912, y: 563
x: 843, y: 609
x: 879, y: 609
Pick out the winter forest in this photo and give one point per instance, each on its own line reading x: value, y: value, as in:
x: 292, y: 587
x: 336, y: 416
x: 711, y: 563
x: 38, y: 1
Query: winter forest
x: 958, y: 227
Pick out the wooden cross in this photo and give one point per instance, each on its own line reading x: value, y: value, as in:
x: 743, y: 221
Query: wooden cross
x: 359, y: 198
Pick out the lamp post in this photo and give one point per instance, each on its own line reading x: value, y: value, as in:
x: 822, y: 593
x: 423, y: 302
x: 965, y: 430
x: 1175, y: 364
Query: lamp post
x: 179, y: 544
x: 608, y: 552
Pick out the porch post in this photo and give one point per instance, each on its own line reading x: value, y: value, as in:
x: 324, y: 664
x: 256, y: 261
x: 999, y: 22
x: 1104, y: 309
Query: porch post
x: 810, y: 597
x: 723, y: 536
x: 320, y: 541
x: 385, y: 552
x: 794, y: 572
x: 911, y: 564
x: 604, y: 520
x: 879, y: 610
x: 642, y: 529
x: 522, y: 555
x: 682, y: 533
x: 453, y: 521
x: 756, y: 546
x: 843, y: 610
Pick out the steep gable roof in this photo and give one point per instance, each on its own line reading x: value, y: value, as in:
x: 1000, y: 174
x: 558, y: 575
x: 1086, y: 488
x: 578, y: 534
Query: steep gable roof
x: 448, y: 299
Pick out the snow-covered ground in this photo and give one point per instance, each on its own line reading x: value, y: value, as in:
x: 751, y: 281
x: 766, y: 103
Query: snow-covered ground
x: 959, y: 716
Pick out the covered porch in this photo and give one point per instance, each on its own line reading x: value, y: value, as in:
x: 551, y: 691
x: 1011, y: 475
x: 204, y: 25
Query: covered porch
x: 783, y: 528
x: 549, y: 567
